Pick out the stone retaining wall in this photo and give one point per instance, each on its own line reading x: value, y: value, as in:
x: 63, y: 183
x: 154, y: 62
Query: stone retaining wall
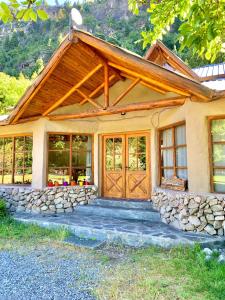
x: 191, y: 212
x: 48, y: 200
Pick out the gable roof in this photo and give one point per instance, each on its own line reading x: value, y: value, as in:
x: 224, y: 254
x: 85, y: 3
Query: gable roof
x: 163, y: 56
x: 79, y: 57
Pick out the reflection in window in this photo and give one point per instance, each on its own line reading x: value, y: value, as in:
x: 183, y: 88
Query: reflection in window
x: 16, y: 160
x: 137, y: 153
x: 70, y: 158
x: 173, y: 152
x: 218, y: 154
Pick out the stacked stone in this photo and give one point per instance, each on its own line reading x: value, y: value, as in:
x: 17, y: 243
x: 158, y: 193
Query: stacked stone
x: 48, y: 200
x: 190, y: 212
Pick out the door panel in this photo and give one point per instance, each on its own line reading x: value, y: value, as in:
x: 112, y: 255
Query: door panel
x: 126, y: 166
x: 114, y: 166
x: 137, y: 166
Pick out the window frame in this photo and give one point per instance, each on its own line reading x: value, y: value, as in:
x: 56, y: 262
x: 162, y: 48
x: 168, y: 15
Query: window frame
x: 70, y: 134
x: 173, y: 148
x: 210, y: 147
x: 14, y: 136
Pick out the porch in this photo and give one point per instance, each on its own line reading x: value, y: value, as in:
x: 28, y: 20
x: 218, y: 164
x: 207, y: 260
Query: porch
x: 128, y: 229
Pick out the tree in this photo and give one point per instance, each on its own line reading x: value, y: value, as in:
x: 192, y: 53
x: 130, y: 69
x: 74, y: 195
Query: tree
x: 27, y: 10
x: 202, y: 23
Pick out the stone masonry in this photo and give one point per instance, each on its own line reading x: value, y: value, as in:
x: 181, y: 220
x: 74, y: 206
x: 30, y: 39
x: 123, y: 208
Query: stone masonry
x: 47, y: 200
x: 191, y: 212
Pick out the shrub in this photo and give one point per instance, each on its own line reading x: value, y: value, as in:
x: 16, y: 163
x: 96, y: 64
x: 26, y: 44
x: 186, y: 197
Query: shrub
x: 3, y: 210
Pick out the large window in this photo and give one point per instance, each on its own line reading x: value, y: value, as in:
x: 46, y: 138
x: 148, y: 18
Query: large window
x: 173, y: 152
x: 218, y: 155
x: 16, y: 160
x: 70, y: 158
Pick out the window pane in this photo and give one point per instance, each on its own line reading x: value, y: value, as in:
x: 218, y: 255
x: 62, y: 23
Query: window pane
x: 167, y: 138
x: 28, y: 176
x: 59, y: 159
x: 181, y: 157
x: 59, y: 175
x: 1, y: 144
x: 118, y: 162
x: 1, y: 177
x: 167, y: 158
x: 167, y: 173
x: 132, y: 162
x: 109, y: 146
x: 180, y: 135
x: 59, y: 142
x: 7, y: 177
x: 1, y: 161
x: 219, y: 155
x: 81, y: 159
x: 142, y: 162
x: 8, y: 145
x: 132, y: 144
x: 19, y: 160
x: 28, y: 143
x: 118, y: 145
x: 7, y: 161
x: 219, y: 181
x: 109, y: 163
x: 28, y: 160
x: 218, y: 130
x: 19, y: 144
x: 18, y: 176
x: 142, y: 144
x: 81, y: 142
x: 181, y: 173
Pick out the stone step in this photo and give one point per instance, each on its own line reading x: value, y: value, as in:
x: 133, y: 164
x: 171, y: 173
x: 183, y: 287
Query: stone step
x: 119, y: 212
x: 127, y: 232
x: 83, y: 242
x: 122, y: 203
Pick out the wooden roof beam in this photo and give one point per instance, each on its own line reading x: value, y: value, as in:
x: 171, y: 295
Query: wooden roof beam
x: 98, y: 89
x: 130, y: 87
x: 148, y: 85
x: 72, y: 90
x: 122, y: 109
x: 151, y: 81
x: 89, y: 99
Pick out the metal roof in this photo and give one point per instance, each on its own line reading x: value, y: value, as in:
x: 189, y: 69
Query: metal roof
x: 215, y: 70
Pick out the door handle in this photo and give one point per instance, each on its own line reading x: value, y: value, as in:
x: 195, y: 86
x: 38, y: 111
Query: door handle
x: 127, y: 168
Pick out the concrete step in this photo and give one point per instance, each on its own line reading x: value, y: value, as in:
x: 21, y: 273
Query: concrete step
x: 122, y: 203
x: 119, y: 212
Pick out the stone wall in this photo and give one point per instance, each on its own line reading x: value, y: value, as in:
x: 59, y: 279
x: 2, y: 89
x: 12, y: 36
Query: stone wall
x: 48, y: 200
x: 191, y: 212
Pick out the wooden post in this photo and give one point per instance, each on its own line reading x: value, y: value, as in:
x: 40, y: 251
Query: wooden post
x: 106, y: 87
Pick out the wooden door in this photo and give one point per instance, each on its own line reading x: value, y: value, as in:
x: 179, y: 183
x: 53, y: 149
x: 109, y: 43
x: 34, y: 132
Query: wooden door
x: 138, y: 166
x: 126, y: 166
x: 114, y: 166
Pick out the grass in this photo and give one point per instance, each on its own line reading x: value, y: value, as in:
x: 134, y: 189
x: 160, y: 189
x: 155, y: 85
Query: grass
x: 14, y: 230
x: 156, y: 274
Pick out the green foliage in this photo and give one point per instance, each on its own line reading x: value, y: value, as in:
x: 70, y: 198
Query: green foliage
x: 27, y: 10
x: 3, y: 210
x: 202, y: 24
x: 11, y: 89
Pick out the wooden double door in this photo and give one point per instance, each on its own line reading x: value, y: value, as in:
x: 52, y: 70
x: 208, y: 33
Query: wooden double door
x: 126, y: 165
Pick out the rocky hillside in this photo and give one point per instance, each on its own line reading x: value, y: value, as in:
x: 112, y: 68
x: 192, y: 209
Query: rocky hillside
x: 27, y: 47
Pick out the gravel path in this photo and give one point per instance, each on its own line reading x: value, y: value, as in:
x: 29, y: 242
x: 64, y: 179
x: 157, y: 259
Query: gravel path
x: 48, y: 272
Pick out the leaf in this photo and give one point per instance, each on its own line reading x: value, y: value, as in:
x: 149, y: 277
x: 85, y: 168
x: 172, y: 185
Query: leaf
x: 42, y: 14
x: 33, y: 15
x: 26, y: 16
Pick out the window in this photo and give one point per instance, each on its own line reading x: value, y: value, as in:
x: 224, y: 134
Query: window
x: 173, y: 152
x: 218, y: 155
x: 16, y: 160
x: 70, y: 158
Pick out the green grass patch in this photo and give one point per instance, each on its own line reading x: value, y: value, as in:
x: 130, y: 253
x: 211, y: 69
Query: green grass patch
x: 156, y: 274
x: 11, y: 229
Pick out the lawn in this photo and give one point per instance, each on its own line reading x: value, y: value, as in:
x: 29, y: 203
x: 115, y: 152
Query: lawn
x: 156, y: 274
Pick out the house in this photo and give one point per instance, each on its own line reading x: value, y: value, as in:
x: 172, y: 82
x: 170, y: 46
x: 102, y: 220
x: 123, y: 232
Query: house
x: 101, y: 116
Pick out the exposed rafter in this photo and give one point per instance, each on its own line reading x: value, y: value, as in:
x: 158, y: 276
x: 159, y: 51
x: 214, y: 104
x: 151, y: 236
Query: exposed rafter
x: 151, y: 81
x: 72, y: 90
x: 122, y: 109
x: 89, y: 99
x: 130, y: 87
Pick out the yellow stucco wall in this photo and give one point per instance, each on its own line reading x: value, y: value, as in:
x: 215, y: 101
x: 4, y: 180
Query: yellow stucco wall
x: 194, y: 113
